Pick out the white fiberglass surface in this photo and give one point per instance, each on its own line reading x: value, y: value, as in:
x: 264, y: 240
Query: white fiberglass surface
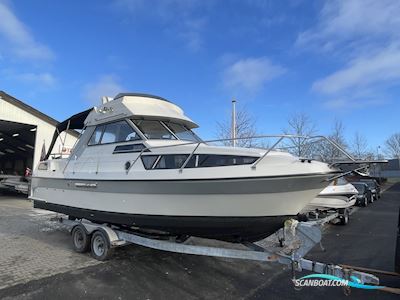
x: 337, y: 189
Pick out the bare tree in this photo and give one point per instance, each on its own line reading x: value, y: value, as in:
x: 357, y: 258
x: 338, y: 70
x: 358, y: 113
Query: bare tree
x: 329, y: 152
x: 359, y: 146
x: 392, y: 146
x: 300, y: 124
x: 245, y: 128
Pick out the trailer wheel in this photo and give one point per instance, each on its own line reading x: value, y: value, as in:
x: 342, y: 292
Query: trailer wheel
x: 80, y: 239
x: 100, y: 246
x: 365, y: 201
x: 344, y: 217
x: 372, y: 198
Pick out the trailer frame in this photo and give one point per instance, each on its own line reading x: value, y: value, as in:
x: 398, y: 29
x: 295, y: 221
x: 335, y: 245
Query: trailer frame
x: 287, y: 246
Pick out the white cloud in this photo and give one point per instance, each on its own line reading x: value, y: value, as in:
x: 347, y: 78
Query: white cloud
x: 191, y: 33
x: 364, y: 34
x: 345, y: 104
x: 382, y: 67
x: 343, y: 21
x: 20, y: 42
x: 41, y: 79
x: 106, y: 85
x: 251, y: 74
x: 183, y: 19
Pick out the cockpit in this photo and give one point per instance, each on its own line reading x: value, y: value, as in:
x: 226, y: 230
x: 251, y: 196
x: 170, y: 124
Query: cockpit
x: 138, y: 129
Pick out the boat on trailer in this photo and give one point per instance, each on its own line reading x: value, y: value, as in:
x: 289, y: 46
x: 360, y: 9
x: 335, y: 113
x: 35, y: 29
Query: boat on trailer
x: 139, y: 164
x: 339, y: 194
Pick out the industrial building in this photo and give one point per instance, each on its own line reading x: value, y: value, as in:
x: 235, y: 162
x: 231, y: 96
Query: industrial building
x: 25, y: 134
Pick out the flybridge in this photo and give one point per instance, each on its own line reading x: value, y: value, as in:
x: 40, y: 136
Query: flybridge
x: 106, y: 99
x: 138, y: 105
x: 120, y: 95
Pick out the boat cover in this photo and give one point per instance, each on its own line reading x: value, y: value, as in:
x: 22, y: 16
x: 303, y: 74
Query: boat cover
x: 77, y: 121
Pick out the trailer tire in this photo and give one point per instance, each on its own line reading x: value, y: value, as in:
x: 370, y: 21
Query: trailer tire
x: 80, y: 239
x: 365, y: 201
x: 344, y: 217
x: 100, y: 246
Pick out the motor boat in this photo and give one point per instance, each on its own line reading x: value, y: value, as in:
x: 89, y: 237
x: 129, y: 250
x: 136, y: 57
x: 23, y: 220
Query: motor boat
x: 14, y: 183
x: 340, y: 194
x: 139, y: 164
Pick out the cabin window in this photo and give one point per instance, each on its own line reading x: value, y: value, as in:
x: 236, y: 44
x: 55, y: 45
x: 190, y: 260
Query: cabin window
x: 131, y: 148
x: 96, y: 136
x: 149, y: 160
x: 176, y: 161
x: 211, y: 160
x: 173, y: 161
x: 182, y: 132
x: 116, y: 132
x: 154, y: 130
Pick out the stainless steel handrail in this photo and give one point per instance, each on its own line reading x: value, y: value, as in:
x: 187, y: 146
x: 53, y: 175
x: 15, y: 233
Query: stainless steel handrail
x: 253, y: 166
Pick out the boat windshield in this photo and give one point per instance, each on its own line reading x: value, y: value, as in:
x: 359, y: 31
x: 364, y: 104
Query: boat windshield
x: 360, y: 187
x: 183, y: 133
x: 154, y: 130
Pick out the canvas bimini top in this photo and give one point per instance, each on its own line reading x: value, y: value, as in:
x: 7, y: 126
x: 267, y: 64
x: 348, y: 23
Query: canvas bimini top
x: 128, y: 105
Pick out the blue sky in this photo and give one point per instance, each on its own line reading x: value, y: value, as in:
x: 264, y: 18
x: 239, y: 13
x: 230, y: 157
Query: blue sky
x: 328, y: 59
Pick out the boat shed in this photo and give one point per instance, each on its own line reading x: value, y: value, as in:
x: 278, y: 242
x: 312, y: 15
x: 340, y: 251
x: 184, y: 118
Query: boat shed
x: 25, y: 135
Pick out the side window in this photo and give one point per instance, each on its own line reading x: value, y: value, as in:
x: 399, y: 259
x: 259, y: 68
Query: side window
x: 127, y: 133
x: 114, y: 133
x: 95, y: 139
x: 173, y: 161
x: 131, y: 148
x: 205, y: 160
x: 110, y: 133
x: 149, y: 160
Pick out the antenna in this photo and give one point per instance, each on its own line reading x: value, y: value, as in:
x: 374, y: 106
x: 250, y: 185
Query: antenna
x: 233, y: 129
x: 106, y: 99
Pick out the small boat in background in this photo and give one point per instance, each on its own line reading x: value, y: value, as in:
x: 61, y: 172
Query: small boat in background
x: 13, y: 183
x: 339, y: 194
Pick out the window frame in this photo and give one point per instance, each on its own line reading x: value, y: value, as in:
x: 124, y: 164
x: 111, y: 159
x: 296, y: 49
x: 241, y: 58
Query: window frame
x: 197, y: 139
x: 197, y: 160
x: 154, y: 120
x: 94, y: 132
x: 120, y: 142
x: 144, y: 149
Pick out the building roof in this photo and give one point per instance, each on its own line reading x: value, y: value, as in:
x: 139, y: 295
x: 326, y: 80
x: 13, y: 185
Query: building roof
x: 18, y: 103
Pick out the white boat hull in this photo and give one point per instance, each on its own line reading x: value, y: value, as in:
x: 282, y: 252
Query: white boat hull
x: 330, y: 202
x: 243, y: 209
x: 227, y: 197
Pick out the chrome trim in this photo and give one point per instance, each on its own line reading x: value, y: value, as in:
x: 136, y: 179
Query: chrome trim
x: 85, y: 185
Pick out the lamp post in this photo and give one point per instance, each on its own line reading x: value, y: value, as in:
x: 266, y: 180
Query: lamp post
x: 233, y: 129
x: 377, y: 152
x: 378, y: 166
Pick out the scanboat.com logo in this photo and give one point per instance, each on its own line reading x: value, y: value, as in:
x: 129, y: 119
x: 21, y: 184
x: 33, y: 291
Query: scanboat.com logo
x: 331, y: 280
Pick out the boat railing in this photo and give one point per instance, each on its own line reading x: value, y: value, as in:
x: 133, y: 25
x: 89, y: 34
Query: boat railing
x: 280, y: 138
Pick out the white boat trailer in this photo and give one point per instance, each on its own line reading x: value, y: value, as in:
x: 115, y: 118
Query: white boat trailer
x: 335, y: 216
x: 287, y: 246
